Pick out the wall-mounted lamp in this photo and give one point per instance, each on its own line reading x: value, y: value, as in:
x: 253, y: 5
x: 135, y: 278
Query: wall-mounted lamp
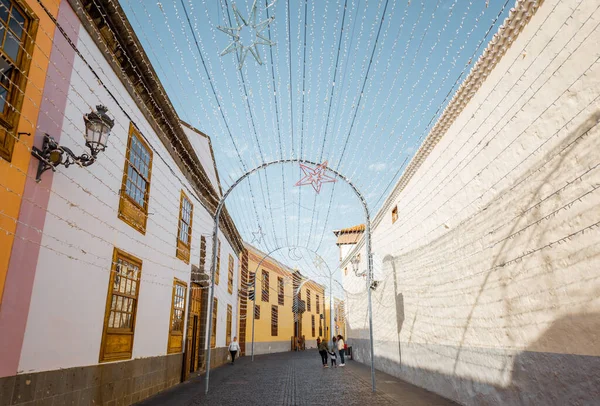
x: 97, y: 129
x: 355, y: 263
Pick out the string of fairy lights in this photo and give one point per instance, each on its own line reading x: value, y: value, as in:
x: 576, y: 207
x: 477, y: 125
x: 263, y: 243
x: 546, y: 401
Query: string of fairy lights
x: 292, y: 143
x: 307, y: 100
x: 437, y: 277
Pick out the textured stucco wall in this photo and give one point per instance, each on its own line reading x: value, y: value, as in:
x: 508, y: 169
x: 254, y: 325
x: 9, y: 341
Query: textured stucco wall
x: 490, y: 290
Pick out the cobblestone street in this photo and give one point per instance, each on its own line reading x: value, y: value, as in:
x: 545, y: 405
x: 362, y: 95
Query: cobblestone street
x: 294, y: 379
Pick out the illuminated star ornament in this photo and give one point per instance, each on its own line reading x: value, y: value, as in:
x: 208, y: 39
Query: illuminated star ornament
x: 257, y: 236
x: 253, y: 28
x: 314, y: 176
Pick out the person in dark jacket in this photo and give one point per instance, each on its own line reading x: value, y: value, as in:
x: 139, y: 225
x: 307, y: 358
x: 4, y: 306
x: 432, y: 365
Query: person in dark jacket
x: 322, y: 346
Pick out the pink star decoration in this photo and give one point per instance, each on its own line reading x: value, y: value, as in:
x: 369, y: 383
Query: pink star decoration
x: 314, y: 176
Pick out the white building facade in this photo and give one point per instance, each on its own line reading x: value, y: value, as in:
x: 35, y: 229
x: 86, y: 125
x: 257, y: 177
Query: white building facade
x: 116, y: 255
x: 488, y: 245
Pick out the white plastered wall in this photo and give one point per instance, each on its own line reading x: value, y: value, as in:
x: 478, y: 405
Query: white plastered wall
x: 66, y: 315
x: 201, y: 146
x: 495, y: 253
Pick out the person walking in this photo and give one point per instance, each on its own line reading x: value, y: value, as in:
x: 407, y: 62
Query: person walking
x: 332, y: 353
x: 234, y: 347
x: 322, y: 345
x: 341, y: 346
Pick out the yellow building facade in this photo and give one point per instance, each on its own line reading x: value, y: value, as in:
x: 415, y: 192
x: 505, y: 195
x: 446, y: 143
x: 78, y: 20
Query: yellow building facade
x: 276, y: 288
x: 310, y: 323
x: 339, y: 318
x: 270, y: 284
x: 20, y: 100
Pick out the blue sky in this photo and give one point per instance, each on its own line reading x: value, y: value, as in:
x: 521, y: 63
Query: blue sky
x: 393, y: 79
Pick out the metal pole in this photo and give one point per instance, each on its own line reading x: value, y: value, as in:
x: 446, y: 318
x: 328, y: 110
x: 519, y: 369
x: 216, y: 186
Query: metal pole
x: 330, y: 312
x: 368, y: 241
x: 369, y: 281
x: 253, y: 314
x: 212, y: 293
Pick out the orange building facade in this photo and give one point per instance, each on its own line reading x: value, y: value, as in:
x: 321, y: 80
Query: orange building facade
x: 25, y: 49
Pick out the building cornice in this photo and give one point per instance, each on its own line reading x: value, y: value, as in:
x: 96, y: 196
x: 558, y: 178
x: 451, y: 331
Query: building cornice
x: 109, y: 28
x: 212, y: 153
x: 519, y: 16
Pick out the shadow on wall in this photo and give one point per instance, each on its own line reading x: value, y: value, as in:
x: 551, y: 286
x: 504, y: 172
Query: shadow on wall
x: 399, y: 298
x: 552, y: 369
x: 559, y: 374
x: 560, y: 377
x: 528, y: 233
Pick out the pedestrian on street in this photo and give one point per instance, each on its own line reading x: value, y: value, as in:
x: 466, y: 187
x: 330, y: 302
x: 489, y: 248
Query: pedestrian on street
x: 332, y: 351
x: 234, y: 347
x: 341, y: 346
x: 322, y: 345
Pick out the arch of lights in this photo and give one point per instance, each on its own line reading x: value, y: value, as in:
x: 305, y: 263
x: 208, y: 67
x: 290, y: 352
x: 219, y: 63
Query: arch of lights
x: 367, y: 244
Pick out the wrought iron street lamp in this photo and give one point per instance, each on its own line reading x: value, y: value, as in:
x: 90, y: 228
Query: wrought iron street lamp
x: 97, y: 129
x: 355, y: 263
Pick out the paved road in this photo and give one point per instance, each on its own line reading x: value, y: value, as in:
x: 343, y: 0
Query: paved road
x: 294, y: 379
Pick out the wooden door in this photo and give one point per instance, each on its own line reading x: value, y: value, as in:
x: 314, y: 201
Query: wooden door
x: 193, y: 333
x: 194, y: 346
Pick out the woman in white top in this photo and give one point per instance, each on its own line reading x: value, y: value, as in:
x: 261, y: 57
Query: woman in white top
x: 234, y: 347
x: 341, y: 349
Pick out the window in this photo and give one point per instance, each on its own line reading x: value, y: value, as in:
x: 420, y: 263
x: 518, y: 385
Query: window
x: 274, y: 320
x: 135, y: 190
x: 308, y: 300
x: 280, y: 292
x: 251, y: 280
x: 213, y: 335
x: 229, y: 324
x: 394, y: 214
x: 318, y: 304
x: 312, y: 319
x: 175, y: 343
x: 265, y: 286
x: 218, y: 270
x: 257, y: 312
x: 230, y: 275
x: 15, y: 22
x: 202, y: 253
x: 251, y: 287
x: 121, y: 307
x: 320, y: 329
x: 184, y: 232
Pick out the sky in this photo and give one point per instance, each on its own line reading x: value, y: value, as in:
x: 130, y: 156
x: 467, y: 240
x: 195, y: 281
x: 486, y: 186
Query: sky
x: 356, y: 83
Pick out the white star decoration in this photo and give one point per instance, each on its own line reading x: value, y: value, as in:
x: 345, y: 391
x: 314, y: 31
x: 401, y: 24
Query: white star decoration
x: 257, y: 236
x: 236, y: 45
x: 314, y: 177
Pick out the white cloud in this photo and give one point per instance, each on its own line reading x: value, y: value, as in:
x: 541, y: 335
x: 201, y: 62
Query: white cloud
x: 377, y: 167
